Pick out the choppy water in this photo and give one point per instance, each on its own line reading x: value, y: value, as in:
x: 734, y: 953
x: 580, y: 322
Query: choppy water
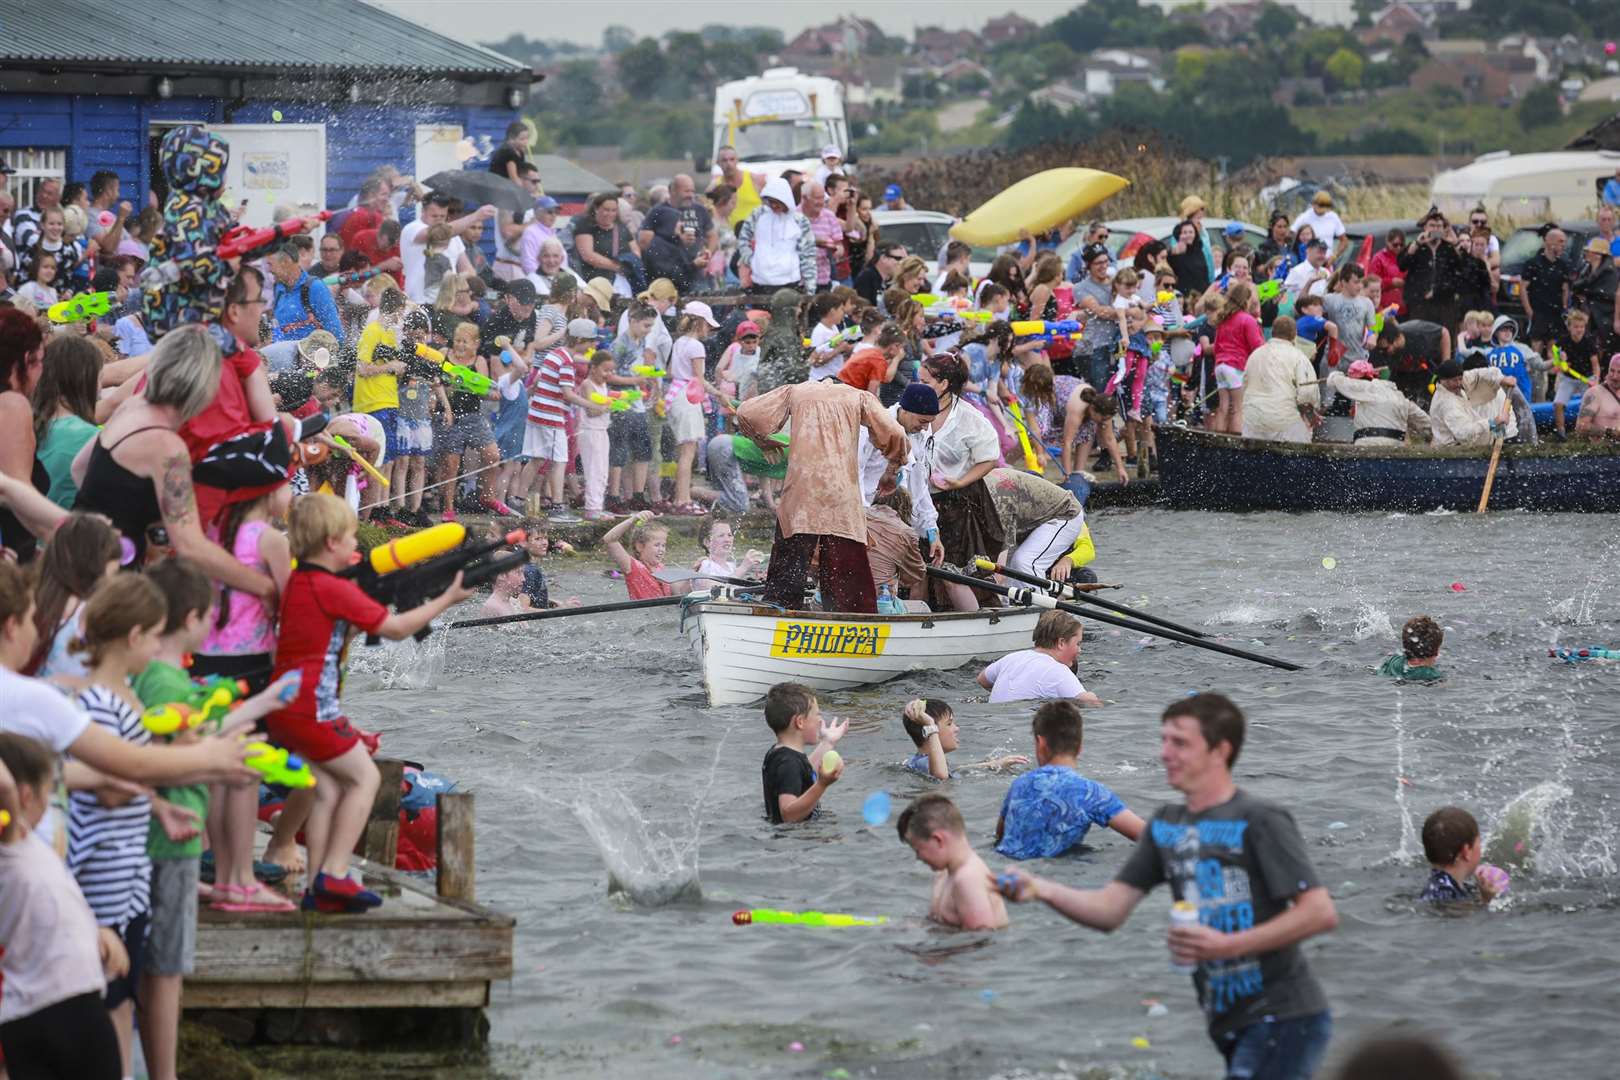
x: 597, y: 764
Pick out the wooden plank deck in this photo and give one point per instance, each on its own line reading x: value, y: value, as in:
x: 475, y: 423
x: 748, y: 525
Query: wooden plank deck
x: 418, y: 950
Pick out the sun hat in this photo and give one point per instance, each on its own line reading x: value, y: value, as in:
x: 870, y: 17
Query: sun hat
x: 892, y: 192
x: 1323, y: 197
x: 599, y: 289
x: 1191, y: 205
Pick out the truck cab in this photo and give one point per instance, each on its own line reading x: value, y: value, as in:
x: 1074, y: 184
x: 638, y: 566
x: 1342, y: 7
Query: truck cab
x: 780, y: 120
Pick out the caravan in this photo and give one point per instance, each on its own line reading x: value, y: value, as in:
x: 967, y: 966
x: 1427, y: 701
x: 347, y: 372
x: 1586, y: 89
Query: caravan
x: 1526, y: 187
x: 780, y: 120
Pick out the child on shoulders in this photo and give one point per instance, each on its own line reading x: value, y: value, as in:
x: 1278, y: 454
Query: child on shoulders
x: 1050, y: 809
x: 1451, y: 843
x: 933, y: 828
x: 793, y: 784
x: 1421, y: 638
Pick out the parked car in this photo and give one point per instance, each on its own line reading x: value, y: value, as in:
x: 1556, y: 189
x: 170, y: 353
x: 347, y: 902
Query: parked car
x: 1523, y: 244
x: 925, y: 234
x: 1124, y: 236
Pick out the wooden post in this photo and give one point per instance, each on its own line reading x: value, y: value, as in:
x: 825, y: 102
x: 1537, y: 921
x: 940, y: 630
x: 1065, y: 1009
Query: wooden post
x: 380, y: 843
x: 456, y: 858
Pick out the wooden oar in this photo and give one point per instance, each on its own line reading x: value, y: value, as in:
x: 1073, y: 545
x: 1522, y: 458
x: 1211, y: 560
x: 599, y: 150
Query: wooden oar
x: 1062, y: 589
x: 559, y: 613
x: 1490, y: 474
x: 1040, y: 599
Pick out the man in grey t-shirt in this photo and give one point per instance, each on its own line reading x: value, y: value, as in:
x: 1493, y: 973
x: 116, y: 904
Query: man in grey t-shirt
x: 1241, y: 862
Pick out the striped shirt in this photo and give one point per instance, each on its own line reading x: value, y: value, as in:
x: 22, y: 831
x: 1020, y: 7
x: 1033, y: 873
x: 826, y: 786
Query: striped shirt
x: 547, y: 406
x: 106, y: 848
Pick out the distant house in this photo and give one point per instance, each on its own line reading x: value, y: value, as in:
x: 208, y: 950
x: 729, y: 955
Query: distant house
x: 939, y: 46
x: 849, y: 35
x: 1291, y: 90
x: 1396, y: 21
x: 962, y: 68
x: 868, y: 80
x: 1005, y: 28
x: 1106, y: 71
x: 1481, y: 80
x: 1231, y: 21
x: 1061, y: 96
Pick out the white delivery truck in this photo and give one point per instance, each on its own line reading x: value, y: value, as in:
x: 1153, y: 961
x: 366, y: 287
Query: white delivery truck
x: 1526, y: 188
x: 780, y: 120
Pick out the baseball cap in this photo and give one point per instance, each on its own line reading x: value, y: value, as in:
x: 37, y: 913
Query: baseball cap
x: 1093, y: 252
x: 747, y: 328
x: 702, y: 311
x: 546, y: 202
x: 831, y: 151
x: 892, y: 192
x: 1233, y: 228
x: 522, y: 290
x: 1450, y: 370
x: 581, y: 329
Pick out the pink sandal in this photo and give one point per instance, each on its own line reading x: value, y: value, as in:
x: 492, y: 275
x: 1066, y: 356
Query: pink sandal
x: 255, y: 898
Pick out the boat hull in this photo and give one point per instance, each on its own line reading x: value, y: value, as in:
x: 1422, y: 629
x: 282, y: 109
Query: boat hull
x: 1201, y: 471
x: 745, y: 649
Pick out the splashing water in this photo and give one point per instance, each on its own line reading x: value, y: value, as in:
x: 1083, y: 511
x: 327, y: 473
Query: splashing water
x: 408, y: 664
x: 1247, y: 614
x: 1371, y: 622
x: 649, y: 865
x: 1405, y: 852
x: 1534, y: 834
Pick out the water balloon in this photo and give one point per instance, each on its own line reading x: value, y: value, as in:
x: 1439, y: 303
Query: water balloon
x: 1457, y: 586
x: 1329, y: 562
x: 876, y: 808
x: 275, y: 114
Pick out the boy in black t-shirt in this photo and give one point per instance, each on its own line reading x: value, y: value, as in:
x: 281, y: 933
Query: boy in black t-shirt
x: 1578, y: 353
x: 792, y: 785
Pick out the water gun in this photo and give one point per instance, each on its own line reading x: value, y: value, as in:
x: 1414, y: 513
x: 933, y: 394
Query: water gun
x: 410, y: 571
x: 276, y: 765
x: 1031, y: 461
x: 504, y: 343
x: 82, y: 307
x: 647, y: 371
x: 1558, y: 362
x: 804, y: 918
x: 617, y: 400
x: 360, y: 459
x: 461, y: 378
x: 846, y: 334
x: 206, y: 704
x: 1268, y: 290
x: 241, y: 242
x: 1575, y: 656
x: 1042, y: 328
x: 350, y: 277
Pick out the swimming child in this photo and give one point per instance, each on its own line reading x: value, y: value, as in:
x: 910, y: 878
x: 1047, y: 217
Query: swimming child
x: 719, y: 541
x: 648, y: 546
x: 793, y: 784
x: 506, y: 595
x: 1050, y: 809
x: 537, y: 543
x: 1420, y: 648
x: 1451, y: 843
x: 937, y: 835
x: 931, y: 723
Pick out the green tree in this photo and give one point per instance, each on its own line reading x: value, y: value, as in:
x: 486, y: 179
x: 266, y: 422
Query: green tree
x: 1275, y: 23
x: 1034, y: 124
x: 574, y: 90
x: 1540, y: 107
x: 642, y: 67
x: 1344, y: 69
x: 616, y: 39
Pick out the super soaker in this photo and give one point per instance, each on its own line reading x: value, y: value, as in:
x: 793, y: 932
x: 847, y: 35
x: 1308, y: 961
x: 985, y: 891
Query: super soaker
x: 1575, y: 656
x: 207, y: 704
x: 81, y: 307
x: 1041, y: 328
x: 275, y: 765
x: 804, y: 918
x: 616, y: 400
x: 461, y: 378
x: 647, y: 371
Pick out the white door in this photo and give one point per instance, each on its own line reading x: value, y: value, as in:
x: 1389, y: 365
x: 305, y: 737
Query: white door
x: 438, y: 147
x: 273, y: 164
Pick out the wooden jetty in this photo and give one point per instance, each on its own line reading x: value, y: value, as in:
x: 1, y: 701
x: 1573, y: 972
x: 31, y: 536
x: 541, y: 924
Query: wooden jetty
x: 430, y: 946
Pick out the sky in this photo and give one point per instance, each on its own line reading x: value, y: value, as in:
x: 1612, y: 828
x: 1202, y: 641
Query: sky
x: 479, y: 21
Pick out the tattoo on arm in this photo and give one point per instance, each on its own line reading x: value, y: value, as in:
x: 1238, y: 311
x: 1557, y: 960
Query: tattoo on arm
x: 176, y: 497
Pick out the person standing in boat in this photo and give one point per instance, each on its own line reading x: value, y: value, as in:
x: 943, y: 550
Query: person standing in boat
x: 918, y: 405
x: 820, y: 513
x: 1279, y: 389
x: 1470, y: 408
x: 1384, y: 416
x: 958, y: 450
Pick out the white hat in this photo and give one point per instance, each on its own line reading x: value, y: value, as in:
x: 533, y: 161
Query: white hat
x: 702, y: 311
x: 581, y: 329
x: 831, y: 151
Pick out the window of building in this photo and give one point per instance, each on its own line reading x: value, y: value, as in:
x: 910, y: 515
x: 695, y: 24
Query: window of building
x: 33, y: 166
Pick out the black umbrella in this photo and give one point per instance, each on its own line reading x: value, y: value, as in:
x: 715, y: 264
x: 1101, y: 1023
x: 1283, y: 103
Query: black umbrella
x: 476, y: 187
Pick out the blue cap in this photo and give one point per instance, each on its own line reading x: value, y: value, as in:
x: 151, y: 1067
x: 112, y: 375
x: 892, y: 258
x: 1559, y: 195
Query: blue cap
x: 892, y: 192
x: 1234, y: 228
x: 546, y: 202
x: 920, y: 399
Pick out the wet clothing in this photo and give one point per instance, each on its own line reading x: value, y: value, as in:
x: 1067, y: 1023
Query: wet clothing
x: 1442, y: 888
x: 786, y: 771
x: 1396, y: 667
x: 1050, y: 809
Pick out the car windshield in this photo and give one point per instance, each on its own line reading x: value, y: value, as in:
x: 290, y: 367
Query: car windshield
x: 922, y: 238
x: 779, y: 140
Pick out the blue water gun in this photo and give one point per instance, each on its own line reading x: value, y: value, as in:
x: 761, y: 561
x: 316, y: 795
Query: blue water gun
x: 1575, y: 656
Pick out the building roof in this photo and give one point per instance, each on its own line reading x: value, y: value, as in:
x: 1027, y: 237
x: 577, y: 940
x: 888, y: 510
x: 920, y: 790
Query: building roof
x: 558, y: 175
x: 332, y: 35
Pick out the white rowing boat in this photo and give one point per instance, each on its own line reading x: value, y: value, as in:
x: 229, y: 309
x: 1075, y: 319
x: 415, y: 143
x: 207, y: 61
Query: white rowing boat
x: 746, y: 648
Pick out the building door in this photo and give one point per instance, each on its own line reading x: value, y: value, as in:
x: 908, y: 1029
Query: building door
x: 437, y: 149
x: 274, y: 165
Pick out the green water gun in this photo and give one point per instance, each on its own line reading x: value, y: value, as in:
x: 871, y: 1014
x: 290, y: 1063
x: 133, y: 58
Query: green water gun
x: 647, y: 371
x: 461, y: 378
x: 804, y: 918
x: 616, y: 400
x: 206, y: 704
x: 1269, y: 290
x: 275, y: 765
x: 839, y: 338
x: 84, y: 306
x: 1562, y: 365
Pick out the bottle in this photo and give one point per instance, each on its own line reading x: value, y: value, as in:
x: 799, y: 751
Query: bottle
x: 885, y: 601
x: 1183, y: 913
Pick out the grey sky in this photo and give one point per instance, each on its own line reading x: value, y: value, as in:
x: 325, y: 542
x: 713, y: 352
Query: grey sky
x: 583, y: 23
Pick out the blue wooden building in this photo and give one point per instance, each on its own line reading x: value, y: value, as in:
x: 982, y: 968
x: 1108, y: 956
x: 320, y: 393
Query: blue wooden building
x: 312, y: 94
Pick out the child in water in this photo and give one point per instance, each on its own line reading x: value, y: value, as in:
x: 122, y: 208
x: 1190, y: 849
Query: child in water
x: 794, y: 780
x: 1451, y: 843
x: 933, y: 828
x: 720, y: 543
x: 646, y: 555
x: 931, y: 723
x: 1421, y: 638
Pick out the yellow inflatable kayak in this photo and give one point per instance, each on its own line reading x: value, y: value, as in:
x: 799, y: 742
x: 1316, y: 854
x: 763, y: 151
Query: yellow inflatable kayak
x: 1037, y: 203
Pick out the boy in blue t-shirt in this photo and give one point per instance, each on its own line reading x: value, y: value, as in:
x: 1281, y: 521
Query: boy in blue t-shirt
x: 1050, y: 809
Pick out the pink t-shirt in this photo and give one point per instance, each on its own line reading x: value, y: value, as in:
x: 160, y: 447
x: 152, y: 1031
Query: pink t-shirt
x: 1237, y: 337
x: 640, y: 583
x: 250, y: 623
